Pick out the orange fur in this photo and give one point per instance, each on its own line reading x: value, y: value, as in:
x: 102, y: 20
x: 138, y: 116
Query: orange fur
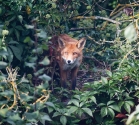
x: 68, y: 54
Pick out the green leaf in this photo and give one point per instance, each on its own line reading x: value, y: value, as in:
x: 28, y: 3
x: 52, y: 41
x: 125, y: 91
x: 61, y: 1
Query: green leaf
x: 31, y: 65
x: 81, y: 104
x: 46, y: 117
x: 3, y: 112
x: 127, y: 107
x: 88, y: 111
x: 44, y: 77
x: 15, y: 117
x: 104, y: 111
x: 111, y: 113
x: 42, y: 34
x: 115, y: 107
x: 109, y: 73
x: 13, y: 42
x: 10, y: 55
x: 27, y: 39
x: 3, y: 64
x: 120, y: 104
x: 50, y: 104
x: 7, y: 93
x: 131, y: 103
x: 20, y: 17
x: 101, y: 104
x: 56, y: 114
x: 110, y: 102
x: 72, y: 109
x: 104, y: 80
x: 26, y: 97
x: 40, y: 71
x: 32, y: 116
x: 45, y: 61
x: 17, y: 34
x: 130, y: 32
x: 75, y: 102
x: 3, y: 52
x: 63, y: 120
x: 16, y: 52
x: 93, y: 99
x: 77, y: 97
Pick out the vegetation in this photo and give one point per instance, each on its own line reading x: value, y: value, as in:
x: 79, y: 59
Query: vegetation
x: 108, y: 80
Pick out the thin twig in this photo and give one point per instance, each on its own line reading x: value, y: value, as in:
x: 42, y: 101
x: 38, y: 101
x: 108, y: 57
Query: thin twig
x: 95, y: 18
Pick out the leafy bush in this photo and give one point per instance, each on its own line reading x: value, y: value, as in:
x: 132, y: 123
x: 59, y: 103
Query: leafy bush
x: 112, y: 41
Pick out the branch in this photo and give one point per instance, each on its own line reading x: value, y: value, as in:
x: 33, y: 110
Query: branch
x: 81, y: 28
x: 96, y: 18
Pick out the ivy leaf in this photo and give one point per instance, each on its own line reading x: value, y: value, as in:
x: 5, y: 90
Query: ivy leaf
x: 16, y: 52
x: 127, y: 107
x: 93, y: 99
x: 104, y: 80
x: 46, y: 117
x: 88, y: 111
x: 131, y: 103
x: 56, y: 114
x: 20, y: 17
x: 109, y: 73
x: 104, y: 111
x: 111, y: 113
x: 115, y: 107
x: 63, y: 120
x: 10, y: 55
x: 45, y: 61
x: 15, y: 117
x: 3, y: 112
x: 3, y: 64
x: 50, y: 104
x: 74, y: 101
x: 44, y: 77
x: 130, y: 32
x: 32, y: 116
x: 17, y: 34
x: 110, y: 102
x: 72, y: 109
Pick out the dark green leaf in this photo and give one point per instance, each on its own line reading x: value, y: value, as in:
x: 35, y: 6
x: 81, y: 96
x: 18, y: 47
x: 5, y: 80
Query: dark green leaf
x: 15, y: 117
x: 16, y: 52
x: 111, y: 113
x: 46, y: 117
x: 3, y: 112
x: 56, y: 114
x: 3, y: 64
x: 88, y: 111
x: 115, y: 107
x: 104, y: 111
x: 72, y: 109
x: 104, y: 80
x: 44, y: 77
x: 63, y: 120
x: 45, y: 61
x: 127, y: 107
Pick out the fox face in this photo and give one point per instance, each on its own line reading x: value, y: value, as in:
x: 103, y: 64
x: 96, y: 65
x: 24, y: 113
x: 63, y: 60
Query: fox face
x: 71, y: 51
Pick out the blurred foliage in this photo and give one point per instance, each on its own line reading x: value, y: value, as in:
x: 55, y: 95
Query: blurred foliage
x: 111, y: 29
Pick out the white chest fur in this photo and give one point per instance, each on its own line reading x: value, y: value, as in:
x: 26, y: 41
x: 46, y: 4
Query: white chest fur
x: 71, y: 66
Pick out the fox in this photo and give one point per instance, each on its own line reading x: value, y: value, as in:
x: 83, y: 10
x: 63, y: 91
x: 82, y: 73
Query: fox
x: 68, y: 53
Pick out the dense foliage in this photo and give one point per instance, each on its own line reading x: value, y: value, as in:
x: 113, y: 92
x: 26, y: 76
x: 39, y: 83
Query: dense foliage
x: 111, y: 29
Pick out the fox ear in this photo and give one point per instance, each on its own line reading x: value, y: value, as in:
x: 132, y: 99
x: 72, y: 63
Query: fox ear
x: 81, y: 43
x: 61, y: 42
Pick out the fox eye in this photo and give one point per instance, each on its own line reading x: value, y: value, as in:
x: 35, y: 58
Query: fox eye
x: 66, y: 53
x: 74, y: 53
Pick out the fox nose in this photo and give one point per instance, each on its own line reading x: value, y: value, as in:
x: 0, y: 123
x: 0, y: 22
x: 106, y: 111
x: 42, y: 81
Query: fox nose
x: 69, y: 61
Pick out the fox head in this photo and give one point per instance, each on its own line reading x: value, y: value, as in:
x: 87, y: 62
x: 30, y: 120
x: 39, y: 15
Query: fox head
x: 71, y: 49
